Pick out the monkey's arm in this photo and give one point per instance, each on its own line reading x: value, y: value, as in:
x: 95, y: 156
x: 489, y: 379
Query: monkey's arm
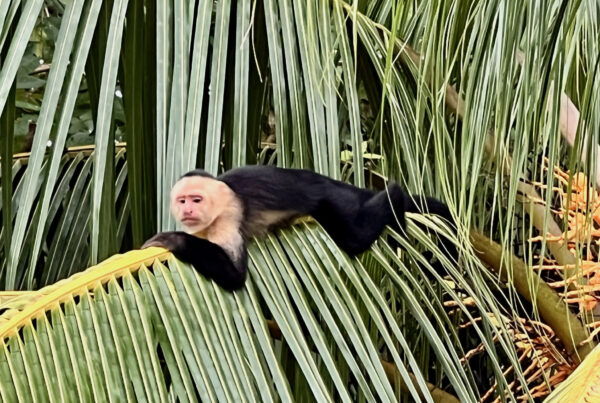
x: 207, y: 258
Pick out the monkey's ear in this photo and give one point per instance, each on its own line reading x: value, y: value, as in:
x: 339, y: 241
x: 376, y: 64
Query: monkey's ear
x: 222, y: 188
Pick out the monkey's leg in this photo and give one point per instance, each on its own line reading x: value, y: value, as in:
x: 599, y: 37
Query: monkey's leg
x: 430, y: 205
x: 207, y: 258
x: 383, y: 208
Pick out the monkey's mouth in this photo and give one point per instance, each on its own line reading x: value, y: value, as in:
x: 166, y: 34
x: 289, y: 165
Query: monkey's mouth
x: 190, y: 220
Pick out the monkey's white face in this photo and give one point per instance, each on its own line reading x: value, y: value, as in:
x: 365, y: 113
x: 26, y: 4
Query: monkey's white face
x: 195, y: 202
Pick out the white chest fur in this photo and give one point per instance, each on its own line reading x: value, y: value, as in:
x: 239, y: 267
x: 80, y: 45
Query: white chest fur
x: 225, y: 229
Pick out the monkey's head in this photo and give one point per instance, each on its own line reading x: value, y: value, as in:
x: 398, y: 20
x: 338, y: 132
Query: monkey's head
x: 197, y: 200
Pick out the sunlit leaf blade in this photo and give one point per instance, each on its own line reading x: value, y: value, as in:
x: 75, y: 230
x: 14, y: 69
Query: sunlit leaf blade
x: 297, y: 105
x: 101, y: 194
x: 197, y: 85
x: 164, y: 68
x: 279, y: 83
x: 217, y: 85
x: 312, y: 71
x: 240, y: 97
x: 175, y: 140
x: 19, y: 39
x: 349, y: 75
x: 326, y: 39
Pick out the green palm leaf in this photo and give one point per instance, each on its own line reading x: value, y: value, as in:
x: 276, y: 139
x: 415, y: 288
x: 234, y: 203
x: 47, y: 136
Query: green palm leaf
x: 134, y: 328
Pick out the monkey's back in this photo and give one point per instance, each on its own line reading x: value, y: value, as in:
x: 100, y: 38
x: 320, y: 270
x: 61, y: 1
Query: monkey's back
x: 274, y: 196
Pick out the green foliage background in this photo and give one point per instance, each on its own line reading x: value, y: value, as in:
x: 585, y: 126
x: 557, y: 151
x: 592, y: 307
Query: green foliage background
x: 462, y: 100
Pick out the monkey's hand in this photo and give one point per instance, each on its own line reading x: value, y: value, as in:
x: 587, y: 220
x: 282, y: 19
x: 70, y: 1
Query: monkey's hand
x: 207, y: 258
x: 172, y: 241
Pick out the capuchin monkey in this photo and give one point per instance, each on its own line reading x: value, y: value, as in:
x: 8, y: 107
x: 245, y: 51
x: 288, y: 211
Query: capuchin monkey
x: 219, y: 215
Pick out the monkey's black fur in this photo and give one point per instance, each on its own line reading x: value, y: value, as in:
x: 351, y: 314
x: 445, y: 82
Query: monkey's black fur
x: 206, y: 257
x: 353, y: 217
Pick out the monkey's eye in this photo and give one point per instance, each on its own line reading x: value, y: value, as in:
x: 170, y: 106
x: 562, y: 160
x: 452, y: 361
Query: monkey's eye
x: 197, y: 199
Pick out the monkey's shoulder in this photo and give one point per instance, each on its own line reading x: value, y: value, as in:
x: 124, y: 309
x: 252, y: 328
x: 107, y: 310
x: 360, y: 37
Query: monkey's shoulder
x: 270, y: 173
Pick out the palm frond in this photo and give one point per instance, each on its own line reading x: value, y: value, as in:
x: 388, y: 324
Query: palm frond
x: 582, y: 385
x: 158, y: 330
x: 61, y: 245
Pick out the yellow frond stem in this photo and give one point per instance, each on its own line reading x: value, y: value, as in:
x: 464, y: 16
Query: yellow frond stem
x: 77, y: 284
